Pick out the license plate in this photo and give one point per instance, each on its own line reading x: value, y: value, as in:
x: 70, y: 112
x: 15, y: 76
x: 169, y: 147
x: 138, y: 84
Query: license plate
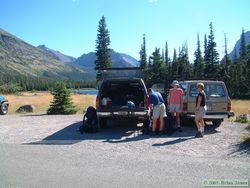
x: 124, y: 113
x: 209, y: 107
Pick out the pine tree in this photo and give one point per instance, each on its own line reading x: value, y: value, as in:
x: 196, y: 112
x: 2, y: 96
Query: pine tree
x: 158, y: 69
x: 102, y: 48
x: 212, y: 59
x: 62, y: 103
x: 168, y: 75
x: 167, y: 61
x: 174, y: 66
x: 243, y: 46
x: 226, y: 58
x: 205, y: 50
x: 235, y: 55
x: 198, y: 61
x: 143, y: 54
x: 182, y: 62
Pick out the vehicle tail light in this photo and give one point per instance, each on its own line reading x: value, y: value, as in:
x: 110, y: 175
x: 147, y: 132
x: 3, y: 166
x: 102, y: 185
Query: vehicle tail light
x: 97, y: 100
x: 147, y: 101
x: 185, y: 107
x: 229, y: 105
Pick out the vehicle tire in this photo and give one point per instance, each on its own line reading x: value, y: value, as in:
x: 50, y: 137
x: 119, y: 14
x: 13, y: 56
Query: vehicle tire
x: 4, y: 109
x: 102, y: 122
x: 217, y: 122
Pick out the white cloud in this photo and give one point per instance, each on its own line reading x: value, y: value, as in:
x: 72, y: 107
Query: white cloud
x: 152, y: 1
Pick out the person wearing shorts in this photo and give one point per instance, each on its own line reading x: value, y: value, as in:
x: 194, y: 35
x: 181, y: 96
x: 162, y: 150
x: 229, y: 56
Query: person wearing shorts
x: 200, y: 110
x: 159, y: 110
x: 175, y: 102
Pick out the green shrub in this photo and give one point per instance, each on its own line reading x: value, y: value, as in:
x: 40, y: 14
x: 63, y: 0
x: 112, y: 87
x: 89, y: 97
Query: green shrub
x: 242, y: 119
x: 62, y: 103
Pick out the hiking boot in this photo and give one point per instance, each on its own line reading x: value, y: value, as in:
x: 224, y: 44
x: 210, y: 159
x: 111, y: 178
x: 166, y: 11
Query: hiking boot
x: 153, y: 133
x: 198, y: 135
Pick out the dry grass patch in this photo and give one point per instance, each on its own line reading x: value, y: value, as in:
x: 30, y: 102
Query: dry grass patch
x: 240, y: 106
x: 42, y: 100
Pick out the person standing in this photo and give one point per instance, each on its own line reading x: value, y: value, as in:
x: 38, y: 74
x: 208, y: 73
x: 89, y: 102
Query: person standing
x: 175, y: 102
x: 200, y: 110
x: 159, y: 110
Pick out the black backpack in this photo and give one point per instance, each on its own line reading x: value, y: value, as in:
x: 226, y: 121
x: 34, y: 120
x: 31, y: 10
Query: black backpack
x: 89, y: 122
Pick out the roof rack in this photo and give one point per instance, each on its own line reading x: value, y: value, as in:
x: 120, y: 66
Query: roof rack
x: 121, y: 72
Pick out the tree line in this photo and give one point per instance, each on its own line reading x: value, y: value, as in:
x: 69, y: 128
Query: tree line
x: 159, y: 68
x: 15, y: 82
x: 235, y: 73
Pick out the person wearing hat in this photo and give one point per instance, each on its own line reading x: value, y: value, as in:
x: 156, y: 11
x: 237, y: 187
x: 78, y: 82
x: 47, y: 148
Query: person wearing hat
x: 175, y: 102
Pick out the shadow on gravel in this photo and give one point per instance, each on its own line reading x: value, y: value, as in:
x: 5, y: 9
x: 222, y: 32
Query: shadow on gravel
x: 240, y: 149
x: 113, y: 134
x: 187, y: 134
x: 70, y: 135
x: 30, y: 115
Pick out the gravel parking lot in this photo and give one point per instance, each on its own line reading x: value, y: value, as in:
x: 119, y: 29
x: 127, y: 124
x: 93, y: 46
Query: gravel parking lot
x: 62, y: 129
x: 27, y: 138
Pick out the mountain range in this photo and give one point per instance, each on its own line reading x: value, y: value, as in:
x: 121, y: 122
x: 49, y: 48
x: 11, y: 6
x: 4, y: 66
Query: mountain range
x: 18, y: 57
x: 237, y: 46
x: 56, y: 54
x: 118, y: 60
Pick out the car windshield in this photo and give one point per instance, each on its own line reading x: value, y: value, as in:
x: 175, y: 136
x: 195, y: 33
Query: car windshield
x: 211, y: 90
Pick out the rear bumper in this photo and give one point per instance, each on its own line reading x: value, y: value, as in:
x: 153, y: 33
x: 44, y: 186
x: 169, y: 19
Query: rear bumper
x: 123, y: 114
x: 210, y: 116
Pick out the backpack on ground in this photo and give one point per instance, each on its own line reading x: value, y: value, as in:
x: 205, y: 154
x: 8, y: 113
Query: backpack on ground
x: 89, y: 122
x: 169, y: 123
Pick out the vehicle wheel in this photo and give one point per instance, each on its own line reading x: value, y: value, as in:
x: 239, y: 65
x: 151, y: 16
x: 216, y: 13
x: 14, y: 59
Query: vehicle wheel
x: 217, y: 122
x: 4, y: 109
x: 102, y: 122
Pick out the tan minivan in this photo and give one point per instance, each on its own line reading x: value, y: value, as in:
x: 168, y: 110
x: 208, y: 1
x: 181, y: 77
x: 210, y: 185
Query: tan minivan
x: 218, y: 102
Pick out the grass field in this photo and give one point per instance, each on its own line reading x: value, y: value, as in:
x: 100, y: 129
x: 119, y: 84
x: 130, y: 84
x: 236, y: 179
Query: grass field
x: 241, y: 106
x: 41, y: 100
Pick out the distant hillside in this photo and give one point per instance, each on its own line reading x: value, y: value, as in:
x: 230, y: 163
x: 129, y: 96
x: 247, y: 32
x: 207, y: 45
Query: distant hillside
x: 118, y: 60
x: 237, y: 46
x: 19, y: 57
x: 56, y: 54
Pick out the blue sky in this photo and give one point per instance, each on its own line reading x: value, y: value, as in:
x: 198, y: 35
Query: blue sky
x: 70, y: 26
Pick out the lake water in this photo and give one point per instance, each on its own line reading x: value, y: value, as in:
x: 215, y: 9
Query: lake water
x: 87, y: 91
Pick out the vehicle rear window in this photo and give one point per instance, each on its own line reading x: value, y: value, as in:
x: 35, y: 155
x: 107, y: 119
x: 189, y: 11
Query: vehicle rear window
x: 211, y: 90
